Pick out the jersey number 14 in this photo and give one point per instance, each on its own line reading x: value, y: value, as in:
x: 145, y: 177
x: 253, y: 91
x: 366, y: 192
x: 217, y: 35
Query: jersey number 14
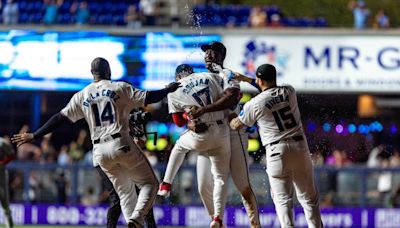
x: 106, y: 115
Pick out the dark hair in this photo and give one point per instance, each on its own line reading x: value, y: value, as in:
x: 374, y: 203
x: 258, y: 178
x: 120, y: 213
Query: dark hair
x: 101, y: 68
x: 266, y: 72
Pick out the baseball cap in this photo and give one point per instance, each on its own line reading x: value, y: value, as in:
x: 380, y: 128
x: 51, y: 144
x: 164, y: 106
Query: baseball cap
x: 183, y: 70
x: 266, y: 72
x: 216, y: 46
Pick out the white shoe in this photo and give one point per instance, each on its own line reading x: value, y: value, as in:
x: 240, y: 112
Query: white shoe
x: 164, y: 190
x: 217, y: 223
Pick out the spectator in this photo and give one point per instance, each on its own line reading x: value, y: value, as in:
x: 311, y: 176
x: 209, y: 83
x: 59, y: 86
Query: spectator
x: 61, y: 184
x: 89, y: 198
x: 28, y: 151
x: 132, y: 18
x: 338, y: 159
x: 10, y: 13
x: 75, y: 152
x: 63, y: 157
x: 381, y: 20
x: 258, y: 17
x: 373, y: 159
x: 384, y: 180
x: 84, y: 141
x: 51, y: 11
x: 317, y: 158
x: 360, y: 13
x: 81, y: 12
x: 275, y: 20
x: 148, y: 10
x: 48, y: 152
x: 174, y: 12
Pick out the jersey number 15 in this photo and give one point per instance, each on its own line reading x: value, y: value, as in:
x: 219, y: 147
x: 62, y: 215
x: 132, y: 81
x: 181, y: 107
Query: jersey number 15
x: 284, y: 118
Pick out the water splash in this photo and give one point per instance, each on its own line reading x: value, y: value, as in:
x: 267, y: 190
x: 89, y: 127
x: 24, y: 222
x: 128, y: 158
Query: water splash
x: 193, y: 20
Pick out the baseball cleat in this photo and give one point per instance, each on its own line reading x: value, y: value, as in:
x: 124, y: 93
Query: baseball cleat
x: 134, y: 224
x: 216, y: 223
x: 164, y: 190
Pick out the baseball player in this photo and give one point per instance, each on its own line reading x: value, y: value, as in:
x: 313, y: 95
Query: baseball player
x: 6, y: 155
x: 114, y: 210
x: 208, y: 135
x: 215, y: 54
x: 105, y: 105
x: 289, y: 165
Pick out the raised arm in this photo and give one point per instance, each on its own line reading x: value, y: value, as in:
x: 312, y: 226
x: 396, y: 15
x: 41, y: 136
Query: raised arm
x: 158, y: 95
x: 231, y: 97
x: 54, y: 122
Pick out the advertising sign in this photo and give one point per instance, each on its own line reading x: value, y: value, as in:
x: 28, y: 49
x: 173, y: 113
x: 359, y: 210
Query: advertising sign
x: 196, y: 216
x: 321, y: 63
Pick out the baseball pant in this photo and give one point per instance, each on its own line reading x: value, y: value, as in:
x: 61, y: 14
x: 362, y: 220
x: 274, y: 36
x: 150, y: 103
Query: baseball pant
x: 126, y: 166
x: 114, y: 211
x: 290, y: 170
x: 213, y: 143
x: 5, y: 196
x: 240, y: 175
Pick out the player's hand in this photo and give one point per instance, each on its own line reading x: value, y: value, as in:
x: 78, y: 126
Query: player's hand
x: 20, y: 139
x: 173, y: 86
x: 195, y: 112
x: 231, y: 116
x: 197, y: 127
x: 236, y: 124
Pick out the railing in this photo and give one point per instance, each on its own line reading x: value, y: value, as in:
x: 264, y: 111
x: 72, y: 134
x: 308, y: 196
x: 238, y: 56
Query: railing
x: 354, y: 186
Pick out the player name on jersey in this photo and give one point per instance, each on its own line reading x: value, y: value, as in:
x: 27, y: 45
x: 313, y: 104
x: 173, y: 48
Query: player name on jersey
x: 104, y: 93
x: 192, y: 84
x: 276, y: 100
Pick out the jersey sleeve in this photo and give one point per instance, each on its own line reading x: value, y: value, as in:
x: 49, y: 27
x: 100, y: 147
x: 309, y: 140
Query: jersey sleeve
x: 73, y: 111
x: 135, y: 96
x: 173, y: 104
x: 248, y: 115
x: 229, y: 83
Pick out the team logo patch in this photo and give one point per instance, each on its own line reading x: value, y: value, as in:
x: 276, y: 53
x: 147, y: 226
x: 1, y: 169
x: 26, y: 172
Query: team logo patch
x: 241, y: 113
x: 259, y: 52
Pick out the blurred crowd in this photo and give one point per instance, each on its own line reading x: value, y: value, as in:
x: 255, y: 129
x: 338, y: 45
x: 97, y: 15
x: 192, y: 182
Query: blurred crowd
x: 53, y: 184
x: 138, y: 13
x: 362, y: 18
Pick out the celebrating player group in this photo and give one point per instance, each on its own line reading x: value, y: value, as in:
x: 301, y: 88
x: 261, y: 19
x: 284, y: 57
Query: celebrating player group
x: 207, y: 103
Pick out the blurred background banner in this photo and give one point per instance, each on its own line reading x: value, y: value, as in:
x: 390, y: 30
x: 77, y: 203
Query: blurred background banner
x: 54, y: 60
x: 193, y: 216
x: 321, y: 62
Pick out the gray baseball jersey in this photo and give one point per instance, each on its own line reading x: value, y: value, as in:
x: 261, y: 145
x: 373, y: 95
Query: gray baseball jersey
x: 276, y: 112
x: 97, y: 103
x: 198, y: 89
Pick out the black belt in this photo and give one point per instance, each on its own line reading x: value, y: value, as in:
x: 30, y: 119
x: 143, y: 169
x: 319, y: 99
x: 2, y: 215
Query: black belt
x: 295, y: 138
x: 114, y: 136
x: 219, y: 122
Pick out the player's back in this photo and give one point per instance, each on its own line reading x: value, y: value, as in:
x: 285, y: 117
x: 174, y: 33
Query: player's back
x: 198, y: 89
x: 279, y: 114
x: 106, y: 105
